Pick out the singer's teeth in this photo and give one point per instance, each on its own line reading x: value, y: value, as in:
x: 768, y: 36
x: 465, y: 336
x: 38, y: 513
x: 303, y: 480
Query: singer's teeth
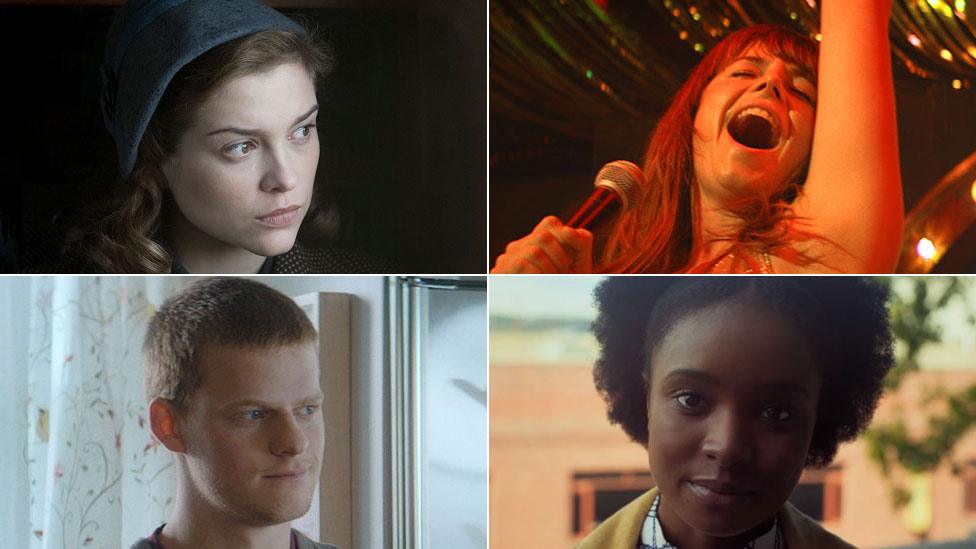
x: 755, y: 127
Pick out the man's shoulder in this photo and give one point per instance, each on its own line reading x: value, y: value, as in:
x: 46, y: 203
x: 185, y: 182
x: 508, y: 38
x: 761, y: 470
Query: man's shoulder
x: 305, y: 543
x: 142, y: 544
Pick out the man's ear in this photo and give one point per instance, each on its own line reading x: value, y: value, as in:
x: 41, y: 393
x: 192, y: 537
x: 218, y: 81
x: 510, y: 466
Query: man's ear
x: 163, y: 421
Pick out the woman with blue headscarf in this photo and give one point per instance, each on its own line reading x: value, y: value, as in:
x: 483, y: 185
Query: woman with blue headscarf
x: 212, y: 105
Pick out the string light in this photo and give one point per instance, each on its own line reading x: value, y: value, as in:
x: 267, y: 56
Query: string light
x: 972, y: 191
x: 925, y: 249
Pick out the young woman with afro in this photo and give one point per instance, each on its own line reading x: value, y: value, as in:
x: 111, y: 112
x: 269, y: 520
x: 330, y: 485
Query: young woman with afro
x: 735, y: 385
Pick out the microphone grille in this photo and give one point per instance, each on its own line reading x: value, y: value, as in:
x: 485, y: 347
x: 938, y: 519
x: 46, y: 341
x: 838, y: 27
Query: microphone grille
x: 623, y: 178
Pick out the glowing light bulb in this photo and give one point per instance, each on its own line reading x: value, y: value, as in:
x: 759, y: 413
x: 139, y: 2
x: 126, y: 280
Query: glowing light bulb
x: 946, y: 54
x: 914, y: 40
x: 925, y: 249
x: 957, y: 84
x: 972, y: 191
x: 818, y: 37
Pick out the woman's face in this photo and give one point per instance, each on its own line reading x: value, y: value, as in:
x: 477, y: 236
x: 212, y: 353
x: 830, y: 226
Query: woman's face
x: 243, y: 173
x: 732, y: 405
x: 753, y: 128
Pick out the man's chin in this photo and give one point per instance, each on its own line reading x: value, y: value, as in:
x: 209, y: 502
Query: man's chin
x: 271, y: 514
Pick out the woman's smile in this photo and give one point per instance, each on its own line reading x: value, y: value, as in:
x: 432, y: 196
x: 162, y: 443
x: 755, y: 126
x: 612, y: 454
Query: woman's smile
x: 718, y: 493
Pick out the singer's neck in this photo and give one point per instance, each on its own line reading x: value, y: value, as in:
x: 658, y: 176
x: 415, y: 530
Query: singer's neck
x: 712, y: 225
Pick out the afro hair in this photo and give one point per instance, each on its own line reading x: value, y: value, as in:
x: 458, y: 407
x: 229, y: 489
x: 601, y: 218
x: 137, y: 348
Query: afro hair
x: 844, y: 318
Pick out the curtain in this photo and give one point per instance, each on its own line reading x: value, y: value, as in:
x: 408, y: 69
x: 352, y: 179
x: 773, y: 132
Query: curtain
x: 86, y: 470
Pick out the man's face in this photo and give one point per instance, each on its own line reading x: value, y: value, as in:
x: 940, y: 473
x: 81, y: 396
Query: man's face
x: 253, y: 432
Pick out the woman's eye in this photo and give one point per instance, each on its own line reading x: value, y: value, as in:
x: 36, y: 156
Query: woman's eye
x: 744, y: 73
x: 777, y: 413
x: 303, y: 132
x: 690, y: 401
x: 806, y: 96
x: 239, y: 150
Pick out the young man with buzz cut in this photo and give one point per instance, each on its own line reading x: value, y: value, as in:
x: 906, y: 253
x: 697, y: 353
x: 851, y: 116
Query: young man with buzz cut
x: 232, y: 379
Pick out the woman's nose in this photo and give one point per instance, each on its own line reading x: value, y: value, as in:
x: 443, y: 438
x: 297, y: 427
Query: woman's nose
x: 773, y: 81
x: 728, y: 440
x: 280, y: 174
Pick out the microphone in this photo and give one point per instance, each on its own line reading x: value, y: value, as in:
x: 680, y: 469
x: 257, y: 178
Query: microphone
x: 618, y: 186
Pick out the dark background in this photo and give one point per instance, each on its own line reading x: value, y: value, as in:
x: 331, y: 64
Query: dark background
x: 403, y: 127
x: 538, y: 169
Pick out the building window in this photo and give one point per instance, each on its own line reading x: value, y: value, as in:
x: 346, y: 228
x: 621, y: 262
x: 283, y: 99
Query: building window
x: 596, y: 496
x: 818, y: 494
x: 969, y: 486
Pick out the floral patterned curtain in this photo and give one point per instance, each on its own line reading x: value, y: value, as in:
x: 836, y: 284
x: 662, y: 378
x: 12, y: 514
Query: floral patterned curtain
x: 86, y: 464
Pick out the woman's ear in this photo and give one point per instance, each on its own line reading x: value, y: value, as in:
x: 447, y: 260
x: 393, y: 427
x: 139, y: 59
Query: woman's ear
x: 164, y: 425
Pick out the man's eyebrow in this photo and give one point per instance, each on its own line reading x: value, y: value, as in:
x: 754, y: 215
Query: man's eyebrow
x: 263, y: 404
x: 793, y: 69
x: 245, y: 131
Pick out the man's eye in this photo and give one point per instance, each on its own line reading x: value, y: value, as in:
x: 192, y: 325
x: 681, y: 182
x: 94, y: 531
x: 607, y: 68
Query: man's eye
x: 252, y: 415
x: 310, y: 409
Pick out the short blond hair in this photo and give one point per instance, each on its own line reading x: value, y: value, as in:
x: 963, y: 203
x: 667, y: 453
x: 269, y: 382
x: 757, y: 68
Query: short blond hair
x: 216, y: 311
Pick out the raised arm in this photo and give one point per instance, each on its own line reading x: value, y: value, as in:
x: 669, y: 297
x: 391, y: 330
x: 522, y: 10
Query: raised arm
x: 853, y: 194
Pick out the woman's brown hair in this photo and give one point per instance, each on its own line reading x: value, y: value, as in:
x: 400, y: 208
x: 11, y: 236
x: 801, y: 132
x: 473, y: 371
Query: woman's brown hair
x: 656, y: 236
x: 125, y: 238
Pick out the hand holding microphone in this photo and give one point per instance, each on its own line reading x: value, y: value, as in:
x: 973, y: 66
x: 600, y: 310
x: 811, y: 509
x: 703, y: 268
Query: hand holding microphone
x: 554, y: 247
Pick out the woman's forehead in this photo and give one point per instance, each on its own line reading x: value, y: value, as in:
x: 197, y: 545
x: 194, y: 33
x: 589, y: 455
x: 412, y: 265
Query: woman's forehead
x: 762, y: 54
x: 260, y: 100
x: 731, y: 339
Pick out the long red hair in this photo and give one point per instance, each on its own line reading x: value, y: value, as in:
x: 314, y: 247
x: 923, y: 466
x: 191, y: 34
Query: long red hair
x: 656, y: 235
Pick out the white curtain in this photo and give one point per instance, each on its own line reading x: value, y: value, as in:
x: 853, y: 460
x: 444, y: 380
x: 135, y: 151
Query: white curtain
x: 85, y: 471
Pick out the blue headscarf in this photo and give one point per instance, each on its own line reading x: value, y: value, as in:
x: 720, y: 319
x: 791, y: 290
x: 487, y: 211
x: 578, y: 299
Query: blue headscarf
x: 150, y: 40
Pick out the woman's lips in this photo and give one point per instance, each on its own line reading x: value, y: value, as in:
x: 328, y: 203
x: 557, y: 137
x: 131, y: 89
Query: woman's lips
x: 282, y: 217
x: 719, y: 493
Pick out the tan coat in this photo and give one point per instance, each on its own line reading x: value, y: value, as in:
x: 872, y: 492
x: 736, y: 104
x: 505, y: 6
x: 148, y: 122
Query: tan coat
x: 622, y: 530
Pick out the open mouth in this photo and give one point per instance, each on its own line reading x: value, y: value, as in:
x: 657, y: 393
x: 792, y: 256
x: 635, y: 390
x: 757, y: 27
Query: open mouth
x: 755, y: 128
